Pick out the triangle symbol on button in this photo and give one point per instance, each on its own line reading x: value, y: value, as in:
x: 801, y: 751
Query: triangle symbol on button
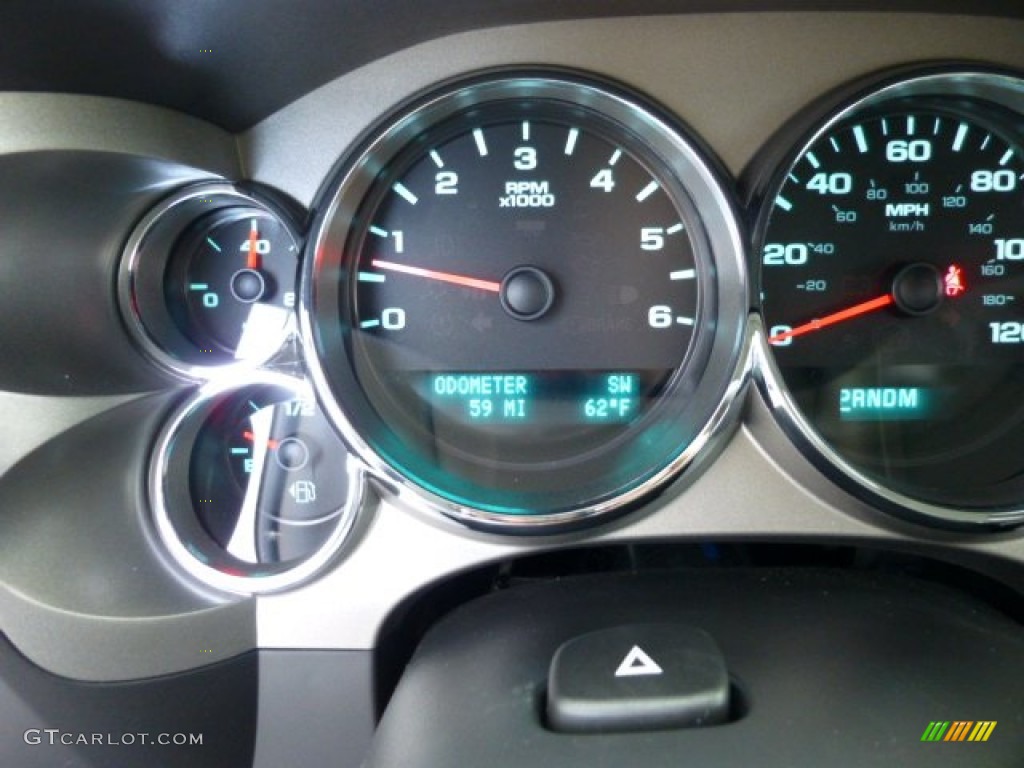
x: 637, y: 663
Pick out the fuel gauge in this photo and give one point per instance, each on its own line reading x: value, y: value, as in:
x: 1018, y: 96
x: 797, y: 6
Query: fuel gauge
x: 252, y: 489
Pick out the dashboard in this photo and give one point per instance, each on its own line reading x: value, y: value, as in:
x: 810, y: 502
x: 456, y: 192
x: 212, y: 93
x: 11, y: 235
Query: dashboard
x: 333, y: 329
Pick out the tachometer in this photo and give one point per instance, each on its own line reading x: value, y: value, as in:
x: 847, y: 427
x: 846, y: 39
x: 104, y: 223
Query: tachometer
x: 515, y: 298
x: 892, y: 280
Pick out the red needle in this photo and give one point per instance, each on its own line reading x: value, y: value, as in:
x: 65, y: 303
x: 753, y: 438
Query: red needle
x: 836, y: 317
x: 271, y: 444
x: 444, y: 277
x: 253, y: 262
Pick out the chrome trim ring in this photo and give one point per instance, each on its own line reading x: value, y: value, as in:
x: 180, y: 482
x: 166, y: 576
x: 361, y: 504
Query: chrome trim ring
x: 175, y: 525
x: 988, y: 86
x: 723, y: 374
x: 141, y: 273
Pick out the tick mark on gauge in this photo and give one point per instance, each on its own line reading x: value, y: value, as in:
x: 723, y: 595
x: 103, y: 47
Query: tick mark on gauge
x: 675, y: 229
x: 813, y: 160
x: 1006, y: 157
x: 911, y: 125
x: 570, y: 142
x: 834, y: 143
x: 526, y: 130
x: 647, y: 191
x: 405, y: 193
x: 783, y: 203
x: 683, y: 274
x: 379, y: 232
x: 860, y: 138
x: 481, y: 144
x: 984, y: 144
x: 961, y: 134
x: 371, y: 277
x: 213, y: 244
x: 436, y: 158
x: 615, y: 157
x: 687, y: 321
x: 370, y: 324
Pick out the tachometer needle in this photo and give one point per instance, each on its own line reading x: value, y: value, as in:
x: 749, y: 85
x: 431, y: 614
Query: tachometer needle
x: 836, y: 317
x: 444, y: 277
x: 253, y: 261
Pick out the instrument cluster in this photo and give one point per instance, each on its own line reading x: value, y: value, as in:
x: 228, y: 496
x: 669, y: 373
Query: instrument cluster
x: 528, y: 301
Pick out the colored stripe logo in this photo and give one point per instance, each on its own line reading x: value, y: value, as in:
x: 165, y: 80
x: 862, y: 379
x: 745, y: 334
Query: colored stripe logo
x: 959, y: 730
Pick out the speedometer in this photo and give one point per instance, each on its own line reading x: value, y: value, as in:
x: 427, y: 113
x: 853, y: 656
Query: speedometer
x: 892, y: 285
x: 516, y: 299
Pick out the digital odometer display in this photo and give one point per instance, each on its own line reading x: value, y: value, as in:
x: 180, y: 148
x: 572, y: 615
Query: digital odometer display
x: 527, y: 292
x: 892, y: 279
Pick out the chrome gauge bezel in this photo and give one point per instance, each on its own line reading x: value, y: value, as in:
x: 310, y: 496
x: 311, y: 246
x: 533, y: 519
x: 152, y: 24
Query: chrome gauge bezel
x: 170, y: 519
x: 725, y: 369
x: 994, y: 87
x: 142, y: 270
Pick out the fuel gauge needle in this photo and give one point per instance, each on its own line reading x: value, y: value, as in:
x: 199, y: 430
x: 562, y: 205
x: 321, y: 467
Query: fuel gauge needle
x: 444, y: 277
x: 836, y: 317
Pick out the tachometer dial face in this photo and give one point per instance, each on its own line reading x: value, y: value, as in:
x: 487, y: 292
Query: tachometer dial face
x: 531, y: 299
x: 892, y: 276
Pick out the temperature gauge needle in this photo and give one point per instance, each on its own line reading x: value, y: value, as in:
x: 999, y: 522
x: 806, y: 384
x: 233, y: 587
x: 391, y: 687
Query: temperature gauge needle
x: 253, y: 261
x: 444, y: 277
x: 836, y: 317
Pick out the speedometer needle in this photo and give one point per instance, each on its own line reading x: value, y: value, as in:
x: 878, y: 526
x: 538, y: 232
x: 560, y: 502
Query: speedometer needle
x: 444, y: 277
x: 836, y: 317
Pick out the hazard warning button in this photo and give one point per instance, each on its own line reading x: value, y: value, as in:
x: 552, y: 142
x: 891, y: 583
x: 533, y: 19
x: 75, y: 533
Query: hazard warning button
x: 638, y: 677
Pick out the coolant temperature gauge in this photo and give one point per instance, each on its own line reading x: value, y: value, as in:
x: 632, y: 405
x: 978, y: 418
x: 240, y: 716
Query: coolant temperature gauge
x: 252, y: 488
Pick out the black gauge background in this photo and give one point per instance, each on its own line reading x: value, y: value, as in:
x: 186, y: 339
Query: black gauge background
x: 217, y: 332
x: 497, y: 445
x: 948, y: 475
x: 592, y: 480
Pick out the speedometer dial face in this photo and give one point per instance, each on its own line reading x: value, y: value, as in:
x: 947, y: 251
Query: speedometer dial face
x: 529, y: 291
x: 892, y: 276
